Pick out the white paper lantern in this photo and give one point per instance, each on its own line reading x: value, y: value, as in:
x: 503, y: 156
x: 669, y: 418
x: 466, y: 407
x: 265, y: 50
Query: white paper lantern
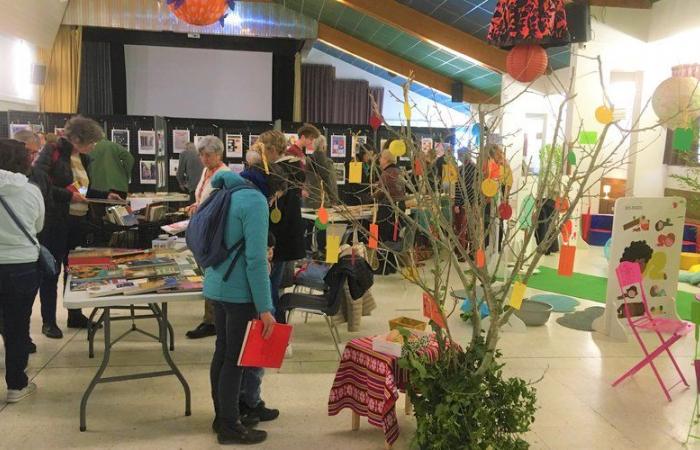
x: 676, y: 101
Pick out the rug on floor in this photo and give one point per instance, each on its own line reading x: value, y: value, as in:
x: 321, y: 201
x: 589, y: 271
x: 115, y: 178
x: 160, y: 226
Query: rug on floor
x: 559, y: 303
x: 581, y: 320
x: 591, y: 287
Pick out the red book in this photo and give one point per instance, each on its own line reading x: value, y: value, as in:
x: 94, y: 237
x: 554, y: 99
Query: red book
x: 259, y: 352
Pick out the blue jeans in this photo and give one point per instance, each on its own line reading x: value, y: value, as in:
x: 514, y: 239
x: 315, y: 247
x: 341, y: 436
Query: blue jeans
x: 276, y: 275
x: 250, y: 386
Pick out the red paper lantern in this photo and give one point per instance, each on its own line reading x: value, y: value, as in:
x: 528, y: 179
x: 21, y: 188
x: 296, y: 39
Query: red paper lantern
x: 375, y: 122
x: 199, y: 12
x: 526, y: 63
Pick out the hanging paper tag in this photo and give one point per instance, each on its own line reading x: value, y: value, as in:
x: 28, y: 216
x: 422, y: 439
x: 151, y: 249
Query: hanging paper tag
x: 494, y: 170
x: 571, y: 157
x: 431, y: 310
x: 682, y: 139
x: 567, y: 255
x: 320, y: 226
x: 517, y: 295
x: 480, y: 258
x: 489, y: 187
x: 407, y: 109
x: 604, y: 115
x: 417, y: 168
x: 588, y: 138
x: 373, y: 236
x: 322, y: 215
x: 450, y: 173
x: 275, y: 215
x: 505, y: 211
x: 355, y: 172
x: 566, y: 230
x: 332, y: 248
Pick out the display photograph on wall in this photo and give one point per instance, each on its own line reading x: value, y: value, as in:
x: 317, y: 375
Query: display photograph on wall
x: 180, y: 139
x: 147, y: 142
x: 148, y: 171
x: 121, y: 137
x: 234, y: 146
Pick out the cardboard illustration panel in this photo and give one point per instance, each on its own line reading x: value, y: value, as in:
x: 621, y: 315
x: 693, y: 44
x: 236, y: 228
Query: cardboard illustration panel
x: 648, y: 231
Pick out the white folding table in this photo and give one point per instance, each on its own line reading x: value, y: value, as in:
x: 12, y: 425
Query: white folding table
x: 158, y: 305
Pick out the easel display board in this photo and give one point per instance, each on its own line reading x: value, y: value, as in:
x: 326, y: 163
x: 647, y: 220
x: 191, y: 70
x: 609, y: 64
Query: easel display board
x: 648, y: 231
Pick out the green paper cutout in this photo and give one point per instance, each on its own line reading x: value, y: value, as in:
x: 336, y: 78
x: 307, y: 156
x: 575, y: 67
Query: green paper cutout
x: 525, y: 217
x: 588, y: 137
x: 320, y: 226
x: 682, y: 139
x: 571, y: 157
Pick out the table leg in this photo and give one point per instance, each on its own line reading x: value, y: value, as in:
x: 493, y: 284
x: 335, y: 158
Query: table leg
x: 100, y: 370
x: 408, y: 405
x: 163, y: 332
x: 355, y: 421
x: 170, y: 327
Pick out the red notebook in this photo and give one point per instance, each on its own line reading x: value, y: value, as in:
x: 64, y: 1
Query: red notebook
x: 259, y: 352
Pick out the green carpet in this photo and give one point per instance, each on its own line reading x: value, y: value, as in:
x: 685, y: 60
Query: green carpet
x: 591, y: 287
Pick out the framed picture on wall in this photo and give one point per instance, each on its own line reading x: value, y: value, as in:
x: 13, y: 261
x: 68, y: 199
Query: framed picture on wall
x: 121, y: 137
x: 234, y: 146
x: 340, y: 172
x: 17, y: 127
x: 173, y: 166
x: 196, y: 140
x: 148, y: 171
x: 426, y: 144
x: 180, y: 140
x: 38, y: 127
x: 338, y: 148
x: 357, y: 143
x: 147, y: 142
x: 252, y: 139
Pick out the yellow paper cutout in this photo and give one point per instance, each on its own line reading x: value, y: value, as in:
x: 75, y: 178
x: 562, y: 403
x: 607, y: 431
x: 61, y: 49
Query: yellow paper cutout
x: 397, y: 147
x: 516, y: 297
x: 332, y: 248
x: 275, y: 215
x: 407, y: 109
x: 355, y: 172
x: 449, y: 173
x: 489, y: 187
x: 604, y: 115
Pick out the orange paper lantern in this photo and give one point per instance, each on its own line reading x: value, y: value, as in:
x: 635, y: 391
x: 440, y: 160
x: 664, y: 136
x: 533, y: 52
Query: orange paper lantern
x: 199, y: 12
x: 526, y: 63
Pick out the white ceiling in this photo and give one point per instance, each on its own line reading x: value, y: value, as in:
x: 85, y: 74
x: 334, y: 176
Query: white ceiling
x: 35, y: 21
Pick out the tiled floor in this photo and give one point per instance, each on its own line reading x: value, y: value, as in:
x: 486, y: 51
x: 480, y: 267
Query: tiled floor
x: 577, y: 406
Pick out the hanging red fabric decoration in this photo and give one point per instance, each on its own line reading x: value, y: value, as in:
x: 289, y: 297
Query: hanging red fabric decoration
x: 526, y: 63
x: 375, y: 122
x: 200, y: 12
x: 528, y: 22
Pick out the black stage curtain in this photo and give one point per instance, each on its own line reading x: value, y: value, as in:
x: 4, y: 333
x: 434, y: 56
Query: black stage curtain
x: 317, y: 91
x: 351, y: 102
x: 95, y: 95
x: 283, y: 86
x: 118, y: 77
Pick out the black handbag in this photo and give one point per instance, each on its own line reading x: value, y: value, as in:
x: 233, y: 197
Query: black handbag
x: 47, y: 263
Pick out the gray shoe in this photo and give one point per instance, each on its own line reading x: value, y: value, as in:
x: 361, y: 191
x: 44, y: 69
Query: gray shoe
x: 16, y: 395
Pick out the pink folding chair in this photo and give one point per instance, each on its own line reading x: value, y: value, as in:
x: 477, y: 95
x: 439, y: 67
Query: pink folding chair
x: 629, y: 276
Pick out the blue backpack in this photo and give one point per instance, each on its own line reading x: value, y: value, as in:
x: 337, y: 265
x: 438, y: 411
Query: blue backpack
x: 207, y: 227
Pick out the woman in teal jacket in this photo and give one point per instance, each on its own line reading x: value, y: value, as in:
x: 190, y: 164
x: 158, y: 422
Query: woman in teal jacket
x: 243, y: 297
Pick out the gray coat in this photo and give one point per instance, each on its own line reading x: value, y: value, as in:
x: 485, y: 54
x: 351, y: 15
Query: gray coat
x: 319, y: 167
x: 189, y: 171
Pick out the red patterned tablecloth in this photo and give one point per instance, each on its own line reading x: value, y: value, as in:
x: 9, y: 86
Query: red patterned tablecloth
x: 368, y: 382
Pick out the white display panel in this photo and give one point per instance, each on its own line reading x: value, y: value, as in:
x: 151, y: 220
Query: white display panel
x: 198, y: 83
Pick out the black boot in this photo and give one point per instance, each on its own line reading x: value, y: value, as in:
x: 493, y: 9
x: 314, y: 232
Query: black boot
x: 202, y: 330
x: 239, y: 434
x: 247, y: 421
x: 260, y: 412
x: 76, y: 319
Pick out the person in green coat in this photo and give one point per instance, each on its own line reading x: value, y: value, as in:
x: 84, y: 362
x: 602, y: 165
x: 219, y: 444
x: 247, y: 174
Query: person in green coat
x: 110, y: 169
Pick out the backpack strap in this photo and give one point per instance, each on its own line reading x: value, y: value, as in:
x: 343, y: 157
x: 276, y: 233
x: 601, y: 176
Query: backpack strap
x: 238, y: 247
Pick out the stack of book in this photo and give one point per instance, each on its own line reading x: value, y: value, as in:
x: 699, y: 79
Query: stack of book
x: 155, y: 212
x: 106, y: 272
x: 121, y: 215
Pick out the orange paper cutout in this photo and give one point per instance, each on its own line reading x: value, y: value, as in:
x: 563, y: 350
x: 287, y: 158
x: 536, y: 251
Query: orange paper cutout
x: 431, y: 310
x: 480, y: 258
x: 567, y: 254
x: 373, y: 236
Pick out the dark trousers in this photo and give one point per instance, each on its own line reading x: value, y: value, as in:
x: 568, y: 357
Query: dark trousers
x: 276, y: 275
x: 18, y: 287
x: 59, y: 237
x: 231, y: 322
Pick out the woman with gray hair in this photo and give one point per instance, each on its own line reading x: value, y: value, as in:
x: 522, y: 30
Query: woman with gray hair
x: 211, y: 153
x: 65, y: 164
